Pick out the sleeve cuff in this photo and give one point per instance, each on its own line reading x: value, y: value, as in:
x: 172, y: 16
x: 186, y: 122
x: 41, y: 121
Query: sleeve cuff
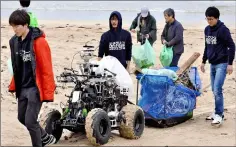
x: 230, y: 63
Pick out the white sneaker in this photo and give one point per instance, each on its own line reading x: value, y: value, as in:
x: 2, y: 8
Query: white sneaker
x: 211, y: 117
x: 218, y: 120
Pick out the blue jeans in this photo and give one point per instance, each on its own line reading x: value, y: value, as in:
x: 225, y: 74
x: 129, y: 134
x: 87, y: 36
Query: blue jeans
x: 218, y: 74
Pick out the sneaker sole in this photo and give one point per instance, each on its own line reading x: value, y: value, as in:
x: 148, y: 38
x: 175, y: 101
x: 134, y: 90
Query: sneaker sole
x: 209, y: 119
x: 216, y: 125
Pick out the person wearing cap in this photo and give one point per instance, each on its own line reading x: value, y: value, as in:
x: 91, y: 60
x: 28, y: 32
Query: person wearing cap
x: 172, y: 35
x: 146, y: 24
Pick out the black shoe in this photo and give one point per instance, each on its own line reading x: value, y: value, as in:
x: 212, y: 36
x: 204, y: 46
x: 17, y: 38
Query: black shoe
x: 48, y: 140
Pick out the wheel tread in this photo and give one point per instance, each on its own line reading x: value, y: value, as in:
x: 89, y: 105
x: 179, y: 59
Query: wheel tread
x: 126, y: 129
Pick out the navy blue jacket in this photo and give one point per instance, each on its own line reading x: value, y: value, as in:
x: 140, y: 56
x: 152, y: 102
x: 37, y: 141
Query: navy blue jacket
x: 116, y: 43
x: 219, y: 45
x: 173, y: 34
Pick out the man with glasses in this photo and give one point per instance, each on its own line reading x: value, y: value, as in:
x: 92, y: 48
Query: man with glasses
x: 220, y: 52
x: 172, y: 35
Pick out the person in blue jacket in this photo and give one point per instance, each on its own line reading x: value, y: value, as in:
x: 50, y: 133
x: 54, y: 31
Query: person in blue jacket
x: 220, y: 53
x: 116, y: 42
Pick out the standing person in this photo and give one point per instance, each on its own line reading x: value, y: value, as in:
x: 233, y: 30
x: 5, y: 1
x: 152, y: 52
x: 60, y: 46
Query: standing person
x: 146, y: 24
x: 25, y: 5
x: 33, y: 21
x: 172, y: 35
x: 220, y: 52
x: 33, y: 78
x: 116, y: 42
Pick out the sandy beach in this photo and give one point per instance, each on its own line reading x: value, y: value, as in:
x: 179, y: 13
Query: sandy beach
x: 65, y: 38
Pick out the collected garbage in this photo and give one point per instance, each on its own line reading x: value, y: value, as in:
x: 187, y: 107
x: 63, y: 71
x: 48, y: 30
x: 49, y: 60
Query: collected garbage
x: 144, y: 55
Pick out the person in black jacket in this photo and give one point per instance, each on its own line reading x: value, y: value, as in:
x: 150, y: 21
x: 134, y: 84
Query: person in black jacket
x: 172, y: 35
x: 116, y: 42
x: 220, y: 52
x: 33, y: 79
x: 146, y: 24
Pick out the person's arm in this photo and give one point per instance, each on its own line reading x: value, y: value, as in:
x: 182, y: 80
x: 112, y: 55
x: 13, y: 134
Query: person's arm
x: 204, y: 58
x: 45, y: 68
x: 128, y: 50
x: 163, y: 35
x: 178, y: 36
x: 12, y: 87
x: 103, y: 46
x: 226, y: 36
x: 152, y: 34
x: 134, y: 23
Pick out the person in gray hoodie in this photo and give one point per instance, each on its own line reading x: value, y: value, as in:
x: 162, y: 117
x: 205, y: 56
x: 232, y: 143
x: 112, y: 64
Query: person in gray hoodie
x: 172, y: 35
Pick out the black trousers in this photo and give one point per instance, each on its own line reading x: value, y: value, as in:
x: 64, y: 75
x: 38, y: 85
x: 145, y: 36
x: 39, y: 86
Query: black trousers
x: 175, y: 60
x: 29, y: 105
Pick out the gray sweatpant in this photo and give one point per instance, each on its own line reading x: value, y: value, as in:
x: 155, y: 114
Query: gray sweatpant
x: 29, y: 105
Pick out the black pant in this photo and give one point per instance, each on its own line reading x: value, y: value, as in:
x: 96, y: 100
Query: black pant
x: 29, y: 105
x: 175, y: 60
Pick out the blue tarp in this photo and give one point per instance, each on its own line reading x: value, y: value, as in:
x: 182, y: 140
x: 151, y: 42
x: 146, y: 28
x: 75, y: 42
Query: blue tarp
x: 162, y: 98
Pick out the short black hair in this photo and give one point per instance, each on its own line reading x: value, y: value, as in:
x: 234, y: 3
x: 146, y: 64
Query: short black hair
x: 212, y: 12
x: 114, y: 15
x: 25, y: 3
x: 170, y: 12
x: 19, y: 17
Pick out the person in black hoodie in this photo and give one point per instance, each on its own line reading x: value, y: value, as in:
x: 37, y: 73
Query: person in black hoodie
x: 116, y: 42
x: 33, y: 79
x: 220, y: 52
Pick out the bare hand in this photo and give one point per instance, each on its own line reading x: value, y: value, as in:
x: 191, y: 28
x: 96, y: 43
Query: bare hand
x: 99, y: 58
x: 12, y: 94
x: 164, y: 42
x: 147, y: 36
x: 203, y: 67
x: 229, y: 69
x: 133, y: 30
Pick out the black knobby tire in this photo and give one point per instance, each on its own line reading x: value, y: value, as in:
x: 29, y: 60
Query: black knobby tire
x: 133, y: 125
x: 48, y: 123
x: 98, y: 127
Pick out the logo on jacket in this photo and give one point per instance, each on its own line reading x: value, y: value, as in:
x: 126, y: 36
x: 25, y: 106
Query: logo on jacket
x: 118, y: 45
x: 25, y: 56
x: 211, y: 40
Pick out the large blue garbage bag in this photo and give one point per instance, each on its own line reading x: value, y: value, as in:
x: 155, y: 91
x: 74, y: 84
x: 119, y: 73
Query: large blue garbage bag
x: 162, y: 99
